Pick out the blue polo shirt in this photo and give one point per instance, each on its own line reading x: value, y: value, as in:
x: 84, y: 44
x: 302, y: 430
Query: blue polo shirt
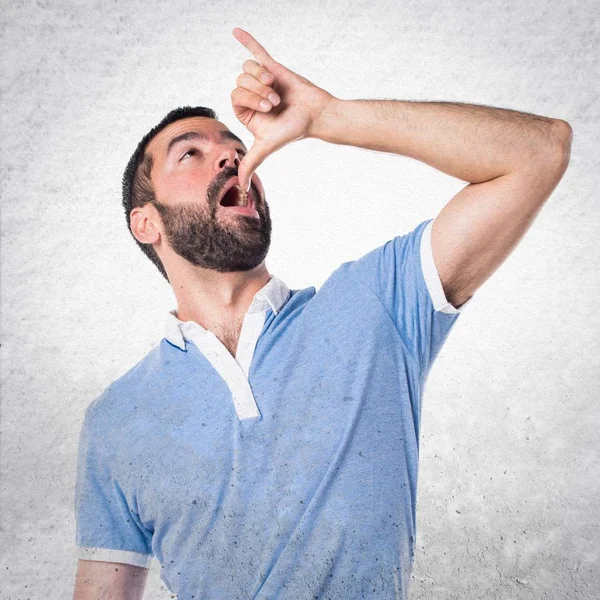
x: 289, y: 471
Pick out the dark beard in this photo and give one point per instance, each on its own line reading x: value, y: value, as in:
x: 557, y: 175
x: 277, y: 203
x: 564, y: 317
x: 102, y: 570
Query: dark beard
x: 195, y: 233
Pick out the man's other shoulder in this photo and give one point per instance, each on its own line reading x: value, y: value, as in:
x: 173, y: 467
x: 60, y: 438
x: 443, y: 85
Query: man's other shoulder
x: 129, y: 385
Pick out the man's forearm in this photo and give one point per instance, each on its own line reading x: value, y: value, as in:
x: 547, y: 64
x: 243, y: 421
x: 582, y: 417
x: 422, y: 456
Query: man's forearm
x: 468, y: 141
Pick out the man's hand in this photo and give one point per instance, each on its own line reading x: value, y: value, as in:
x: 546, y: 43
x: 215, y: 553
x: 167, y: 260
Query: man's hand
x: 293, y: 118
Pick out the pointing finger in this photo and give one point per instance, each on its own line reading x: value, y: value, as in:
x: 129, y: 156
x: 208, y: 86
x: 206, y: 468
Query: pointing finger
x: 254, y: 47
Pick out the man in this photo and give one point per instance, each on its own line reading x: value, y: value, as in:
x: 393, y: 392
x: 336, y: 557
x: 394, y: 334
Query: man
x: 267, y: 446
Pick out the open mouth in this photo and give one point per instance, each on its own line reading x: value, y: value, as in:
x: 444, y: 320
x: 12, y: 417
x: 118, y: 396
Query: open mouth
x: 236, y: 200
x: 235, y: 196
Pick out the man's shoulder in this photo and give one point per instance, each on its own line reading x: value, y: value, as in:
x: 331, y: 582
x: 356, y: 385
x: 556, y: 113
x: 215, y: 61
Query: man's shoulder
x: 126, y: 389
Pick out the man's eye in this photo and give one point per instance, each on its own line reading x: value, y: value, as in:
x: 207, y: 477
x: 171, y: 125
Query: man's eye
x: 190, y: 151
x: 193, y: 151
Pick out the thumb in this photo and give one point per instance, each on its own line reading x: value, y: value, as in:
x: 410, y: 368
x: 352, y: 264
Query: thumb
x: 251, y: 161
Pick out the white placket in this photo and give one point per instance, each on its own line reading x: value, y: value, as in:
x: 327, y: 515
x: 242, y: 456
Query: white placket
x: 234, y: 371
x: 253, y: 324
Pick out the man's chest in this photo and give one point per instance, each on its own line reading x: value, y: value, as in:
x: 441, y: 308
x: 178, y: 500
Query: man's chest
x: 315, y: 420
x: 229, y: 334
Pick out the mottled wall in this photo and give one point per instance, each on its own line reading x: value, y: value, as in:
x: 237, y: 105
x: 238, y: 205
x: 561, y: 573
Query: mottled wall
x: 509, y: 480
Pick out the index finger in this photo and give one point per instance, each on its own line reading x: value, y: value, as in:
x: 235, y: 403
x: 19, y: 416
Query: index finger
x: 264, y: 58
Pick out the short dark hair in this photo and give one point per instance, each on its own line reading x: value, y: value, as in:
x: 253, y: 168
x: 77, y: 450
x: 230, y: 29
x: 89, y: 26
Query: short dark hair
x: 137, y: 185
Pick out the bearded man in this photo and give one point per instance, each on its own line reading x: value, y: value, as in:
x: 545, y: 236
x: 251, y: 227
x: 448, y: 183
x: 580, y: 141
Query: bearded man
x: 267, y: 446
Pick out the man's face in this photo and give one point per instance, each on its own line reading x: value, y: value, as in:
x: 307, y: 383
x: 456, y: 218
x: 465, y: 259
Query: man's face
x: 189, y: 177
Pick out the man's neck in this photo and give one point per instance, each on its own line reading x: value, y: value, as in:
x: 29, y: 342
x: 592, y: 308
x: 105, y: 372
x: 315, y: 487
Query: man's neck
x: 214, y: 299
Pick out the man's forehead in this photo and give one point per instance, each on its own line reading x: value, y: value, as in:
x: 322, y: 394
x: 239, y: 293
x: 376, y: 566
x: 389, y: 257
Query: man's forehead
x: 160, y: 142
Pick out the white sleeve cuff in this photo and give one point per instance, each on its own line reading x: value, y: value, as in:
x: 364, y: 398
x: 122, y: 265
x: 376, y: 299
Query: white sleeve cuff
x: 432, y: 277
x: 118, y: 556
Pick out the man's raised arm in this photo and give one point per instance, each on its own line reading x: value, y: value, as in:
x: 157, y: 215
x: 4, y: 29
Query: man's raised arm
x: 513, y: 161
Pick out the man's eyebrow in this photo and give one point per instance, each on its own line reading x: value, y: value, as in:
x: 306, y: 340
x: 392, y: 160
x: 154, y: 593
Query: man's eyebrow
x: 200, y: 135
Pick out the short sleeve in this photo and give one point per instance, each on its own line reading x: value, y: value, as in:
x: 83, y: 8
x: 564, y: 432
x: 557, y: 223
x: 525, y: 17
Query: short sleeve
x: 402, y: 274
x: 106, y: 528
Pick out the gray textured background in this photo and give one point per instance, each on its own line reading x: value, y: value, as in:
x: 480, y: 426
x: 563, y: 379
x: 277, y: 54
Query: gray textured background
x: 509, y: 479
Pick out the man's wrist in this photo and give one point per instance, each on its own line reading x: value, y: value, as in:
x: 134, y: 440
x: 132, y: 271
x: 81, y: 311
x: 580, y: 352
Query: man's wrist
x: 323, y: 125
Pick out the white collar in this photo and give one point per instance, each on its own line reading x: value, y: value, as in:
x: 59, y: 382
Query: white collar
x: 272, y: 295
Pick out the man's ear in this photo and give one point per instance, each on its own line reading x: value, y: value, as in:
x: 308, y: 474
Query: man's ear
x: 143, y: 227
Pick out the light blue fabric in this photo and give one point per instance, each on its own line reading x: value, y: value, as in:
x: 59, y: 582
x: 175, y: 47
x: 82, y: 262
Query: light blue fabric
x: 316, y: 498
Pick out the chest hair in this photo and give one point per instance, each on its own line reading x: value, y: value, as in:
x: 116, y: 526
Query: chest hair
x: 229, y: 334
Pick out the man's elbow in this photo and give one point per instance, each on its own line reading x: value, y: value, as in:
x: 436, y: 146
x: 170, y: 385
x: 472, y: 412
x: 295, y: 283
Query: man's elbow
x: 563, y: 134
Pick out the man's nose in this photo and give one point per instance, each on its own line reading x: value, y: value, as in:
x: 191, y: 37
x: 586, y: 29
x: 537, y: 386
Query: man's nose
x: 228, y: 157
